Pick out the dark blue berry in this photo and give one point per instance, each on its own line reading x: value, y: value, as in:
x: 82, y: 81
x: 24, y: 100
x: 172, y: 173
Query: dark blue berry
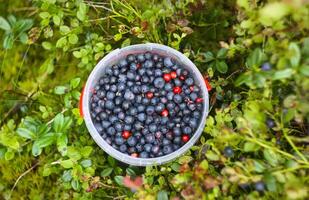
x: 132, y: 141
x: 143, y: 155
x: 159, y: 82
x: 168, y: 62
x: 228, y: 152
x: 167, y: 149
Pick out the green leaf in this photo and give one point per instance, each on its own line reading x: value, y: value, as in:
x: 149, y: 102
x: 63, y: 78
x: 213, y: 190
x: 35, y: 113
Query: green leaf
x: 282, y: 74
x: 222, y: 53
x: 162, y: 195
x: 106, y: 172
x: 60, y: 90
x: 272, y: 157
x: 81, y: 13
x: 209, y: 56
x: 211, y: 155
x: 111, y: 161
x: 304, y: 70
x: 130, y: 172
x: 75, y: 185
x: 67, y: 163
x: 4, y: 25
x: 250, y: 147
x: 58, y: 122
x: 8, y: 41
x: 44, y: 15
x: 86, y: 151
x: 67, y: 176
x: 61, y: 42
x: 9, y: 155
x: 221, y: 66
x: 242, y: 79
x: 36, y: 150
x: 74, y: 83
x: 273, y: 12
x: 117, y: 37
x: 64, y: 30
x: 126, y: 42
x: 47, y: 45
x: 23, y: 38
x: 86, y: 163
x: 259, y: 166
x: 175, y: 166
x: 73, y: 153
x: 77, y: 54
x: 243, y: 3
x: 56, y: 20
x: 26, y: 133
x: 119, y: 180
x: 46, y: 171
x: 45, y: 140
x: 62, y: 142
x: 255, y: 58
x: 295, y: 54
x: 73, y: 39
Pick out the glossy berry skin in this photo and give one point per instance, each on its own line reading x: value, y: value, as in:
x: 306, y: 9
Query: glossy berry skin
x: 185, y: 138
x: 199, y: 100
x: 149, y: 95
x: 270, y: 123
x: 228, y: 152
x: 164, y: 113
x: 173, y: 74
x: 177, y: 90
x: 167, y: 77
x: 126, y: 134
x: 259, y: 186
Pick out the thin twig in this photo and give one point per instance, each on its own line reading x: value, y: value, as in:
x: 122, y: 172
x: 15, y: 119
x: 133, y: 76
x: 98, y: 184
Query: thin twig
x: 22, y: 175
x: 120, y: 197
x: 50, y: 121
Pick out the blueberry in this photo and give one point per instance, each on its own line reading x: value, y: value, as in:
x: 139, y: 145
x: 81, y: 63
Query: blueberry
x: 131, y: 150
x: 140, y: 57
x: 144, y: 88
x: 123, y: 63
x: 259, y: 186
x: 177, y: 82
x: 266, y: 66
x: 119, y: 140
x: 110, y: 95
x: 177, y: 131
x: 111, y: 130
x: 116, y: 72
x: 170, y: 106
x: 168, y: 86
x: 193, y: 123
x: 159, y: 65
x: 148, y: 55
x: 142, y: 71
x: 143, y: 155
x: 163, y: 100
x: 138, y: 125
x: 127, y: 127
x: 108, y: 140
x: 155, y: 149
x: 106, y: 124
x: 141, y: 117
x: 132, y: 141
x: 177, y: 140
x: 148, y: 64
x: 140, y: 108
x: 133, y: 111
x: 131, y: 75
x: 164, y: 120
x: 130, y: 58
x: 142, y: 140
x: 166, y: 141
x: 270, y: 123
x: 145, y: 101
x: 155, y: 57
x: 193, y: 96
x: 168, y: 62
x: 152, y: 128
x: 149, y: 138
x: 109, y: 105
x: 159, y: 82
x: 189, y: 81
x: 113, y: 119
x: 126, y: 105
x: 129, y: 119
x: 138, y: 99
x: 177, y: 98
x: 139, y: 147
x: 170, y: 96
x: 119, y: 127
x: 150, y: 110
x: 122, y: 78
x: 130, y: 83
x: 167, y: 149
x: 113, y: 88
x: 192, y: 107
x: 148, y: 147
x: 145, y: 79
x: 97, y: 110
x: 149, y: 73
x: 228, y: 151
x: 108, y: 71
x: 158, y: 72
x: 145, y: 131
x: 103, y: 116
x: 121, y: 115
x: 123, y: 148
x: 159, y: 107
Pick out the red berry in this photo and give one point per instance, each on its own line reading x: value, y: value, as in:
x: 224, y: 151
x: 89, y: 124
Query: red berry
x: 173, y: 74
x: 182, y: 78
x: 177, y: 90
x: 135, y: 155
x: 167, y: 77
x: 199, y: 100
x: 164, y: 113
x: 138, y: 65
x: 126, y: 134
x: 149, y: 95
x: 185, y: 138
x: 191, y: 88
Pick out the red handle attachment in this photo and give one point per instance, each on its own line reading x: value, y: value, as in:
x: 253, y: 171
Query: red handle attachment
x: 81, y: 112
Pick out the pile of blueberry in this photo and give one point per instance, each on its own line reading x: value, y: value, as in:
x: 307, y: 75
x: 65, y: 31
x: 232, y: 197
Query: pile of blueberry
x: 146, y: 105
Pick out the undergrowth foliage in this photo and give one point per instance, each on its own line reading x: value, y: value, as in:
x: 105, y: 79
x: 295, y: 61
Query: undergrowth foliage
x: 254, y: 54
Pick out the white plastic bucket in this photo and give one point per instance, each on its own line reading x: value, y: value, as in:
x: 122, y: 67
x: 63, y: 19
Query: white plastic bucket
x: 112, y: 58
